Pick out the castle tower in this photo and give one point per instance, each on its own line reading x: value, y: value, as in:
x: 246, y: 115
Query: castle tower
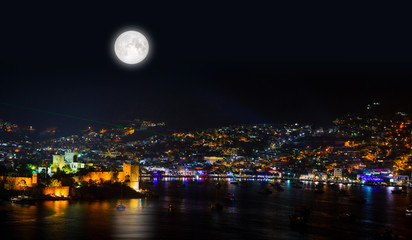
x: 132, y: 171
x: 34, y: 180
x: 134, y: 177
x: 127, y: 169
x: 58, y: 162
x: 70, y: 156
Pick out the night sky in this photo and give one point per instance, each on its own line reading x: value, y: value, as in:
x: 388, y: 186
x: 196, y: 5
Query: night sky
x: 210, y: 64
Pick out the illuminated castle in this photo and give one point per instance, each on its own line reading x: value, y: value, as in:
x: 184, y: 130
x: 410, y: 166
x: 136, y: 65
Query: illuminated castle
x: 68, y: 160
x: 129, y: 175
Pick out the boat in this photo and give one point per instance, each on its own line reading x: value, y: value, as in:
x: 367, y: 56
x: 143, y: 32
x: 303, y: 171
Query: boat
x: 408, y: 211
x: 121, y: 208
x: 300, y: 216
x: 298, y: 186
x: 230, y: 197
x: 217, y: 207
x: 149, y: 183
x: 346, y: 216
x: 358, y: 199
x: 297, y: 220
x: 176, y: 184
x: 342, y: 191
x: 304, y: 211
x: 264, y: 191
x: 319, y: 190
x: 23, y: 199
x: 385, y: 234
x: 399, y: 191
x: 319, y: 184
x: 243, y: 184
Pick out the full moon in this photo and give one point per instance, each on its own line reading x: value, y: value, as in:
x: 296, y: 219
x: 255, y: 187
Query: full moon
x: 131, y: 47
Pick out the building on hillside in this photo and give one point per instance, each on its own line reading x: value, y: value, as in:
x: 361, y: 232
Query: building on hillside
x: 337, y: 172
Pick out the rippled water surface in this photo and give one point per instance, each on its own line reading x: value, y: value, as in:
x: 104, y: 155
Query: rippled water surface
x: 250, y: 216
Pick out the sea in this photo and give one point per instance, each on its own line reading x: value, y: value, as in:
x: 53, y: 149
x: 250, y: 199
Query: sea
x: 186, y: 209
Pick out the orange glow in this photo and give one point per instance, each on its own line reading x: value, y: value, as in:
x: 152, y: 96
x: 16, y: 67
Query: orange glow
x: 57, y: 191
x: 243, y: 139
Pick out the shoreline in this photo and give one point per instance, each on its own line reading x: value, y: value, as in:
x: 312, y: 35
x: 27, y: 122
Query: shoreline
x: 87, y: 193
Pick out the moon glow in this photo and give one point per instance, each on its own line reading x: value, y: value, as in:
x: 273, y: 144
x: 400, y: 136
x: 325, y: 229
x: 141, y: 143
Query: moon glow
x: 131, y: 47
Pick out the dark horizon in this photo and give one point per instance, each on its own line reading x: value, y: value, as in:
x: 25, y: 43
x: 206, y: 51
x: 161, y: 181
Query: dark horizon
x: 211, y: 66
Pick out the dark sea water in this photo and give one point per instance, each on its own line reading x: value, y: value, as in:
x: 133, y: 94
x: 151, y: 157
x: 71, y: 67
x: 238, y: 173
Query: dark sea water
x: 250, y: 216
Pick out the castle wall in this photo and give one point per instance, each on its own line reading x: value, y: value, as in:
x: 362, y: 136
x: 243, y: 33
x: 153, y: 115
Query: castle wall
x: 131, y: 172
x: 96, y: 177
x: 16, y: 183
x: 57, y: 191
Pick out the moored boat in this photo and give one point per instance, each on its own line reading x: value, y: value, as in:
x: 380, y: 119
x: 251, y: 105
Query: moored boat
x: 399, y: 191
x: 346, y: 216
x: 264, y: 191
x: 298, y: 186
x: 319, y: 190
x: 121, y: 208
x: 217, y: 207
x: 300, y: 216
x: 176, y: 184
x: 297, y: 220
x: 230, y: 197
x: 357, y: 199
x: 302, y: 211
x: 408, y: 211
x: 23, y: 199
x: 243, y: 184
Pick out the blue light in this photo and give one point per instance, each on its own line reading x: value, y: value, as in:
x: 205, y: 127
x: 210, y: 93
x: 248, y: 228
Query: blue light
x: 121, y: 208
x: 371, y: 178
